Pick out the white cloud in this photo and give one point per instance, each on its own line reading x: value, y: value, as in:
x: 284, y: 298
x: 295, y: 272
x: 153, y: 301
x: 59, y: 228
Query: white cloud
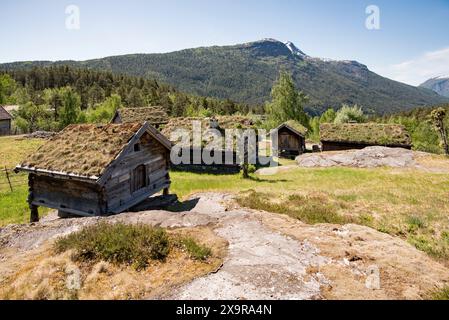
x: 416, y: 71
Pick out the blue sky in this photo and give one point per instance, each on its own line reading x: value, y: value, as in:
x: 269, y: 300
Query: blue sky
x: 411, y: 45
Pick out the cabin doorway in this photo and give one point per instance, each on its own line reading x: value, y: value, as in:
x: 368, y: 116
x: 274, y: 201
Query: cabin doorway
x: 139, y: 180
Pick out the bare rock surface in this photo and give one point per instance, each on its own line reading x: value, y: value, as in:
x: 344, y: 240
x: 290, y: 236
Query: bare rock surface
x: 261, y: 264
x: 369, y: 157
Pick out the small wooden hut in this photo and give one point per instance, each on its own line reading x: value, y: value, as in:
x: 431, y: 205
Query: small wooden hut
x: 291, y: 139
x: 361, y: 135
x: 154, y: 115
x: 91, y: 170
x: 5, y: 122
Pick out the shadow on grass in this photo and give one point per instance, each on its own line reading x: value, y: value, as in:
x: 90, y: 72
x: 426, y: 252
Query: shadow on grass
x: 257, y: 179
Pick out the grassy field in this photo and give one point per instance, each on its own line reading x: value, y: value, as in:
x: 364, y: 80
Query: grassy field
x: 13, y: 205
x: 411, y: 204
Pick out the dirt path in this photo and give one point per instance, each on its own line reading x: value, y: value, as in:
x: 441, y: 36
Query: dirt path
x: 269, y: 256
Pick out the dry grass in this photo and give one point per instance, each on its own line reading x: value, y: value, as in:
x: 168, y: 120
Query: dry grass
x: 154, y: 115
x: 369, y: 133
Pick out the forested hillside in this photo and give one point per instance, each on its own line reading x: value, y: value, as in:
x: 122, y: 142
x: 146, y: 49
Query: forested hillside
x: 94, y: 86
x: 246, y: 73
x: 52, y: 97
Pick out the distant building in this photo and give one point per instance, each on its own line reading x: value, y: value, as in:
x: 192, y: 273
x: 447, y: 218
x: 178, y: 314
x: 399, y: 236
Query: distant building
x: 291, y: 139
x: 92, y: 170
x: 5, y: 122
x: 360, y: 135
x: 154, y: 115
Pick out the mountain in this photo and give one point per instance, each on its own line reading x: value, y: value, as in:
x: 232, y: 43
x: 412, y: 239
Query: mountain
x: 439, y: 84
x: 246, y: 72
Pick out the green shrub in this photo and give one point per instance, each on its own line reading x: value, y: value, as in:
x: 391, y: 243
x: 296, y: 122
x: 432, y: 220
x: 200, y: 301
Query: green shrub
x: 117, y: 243
x: 195, y: 250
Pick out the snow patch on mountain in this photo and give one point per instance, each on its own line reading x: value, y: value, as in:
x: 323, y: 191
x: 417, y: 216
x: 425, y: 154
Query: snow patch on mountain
x: 294, y: 50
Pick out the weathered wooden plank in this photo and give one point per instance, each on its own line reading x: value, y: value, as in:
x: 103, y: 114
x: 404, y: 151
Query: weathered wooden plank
x: 156, y: 175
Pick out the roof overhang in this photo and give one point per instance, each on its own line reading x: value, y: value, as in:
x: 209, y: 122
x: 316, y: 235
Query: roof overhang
x: 57, y: 174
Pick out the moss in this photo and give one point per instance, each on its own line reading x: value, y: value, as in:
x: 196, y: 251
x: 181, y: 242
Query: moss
x: 367, y: 133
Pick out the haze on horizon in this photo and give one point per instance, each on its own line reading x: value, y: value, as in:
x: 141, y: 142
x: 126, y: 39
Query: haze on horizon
x: 411, y: 45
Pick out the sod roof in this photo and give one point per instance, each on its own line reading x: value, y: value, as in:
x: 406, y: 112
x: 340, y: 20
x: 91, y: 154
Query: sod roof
x: 83, y: 150
x: 224, y: 122
x: 365, y: 133
x: 154, y: 115
x: 295, y: 125
x: 4, y: 115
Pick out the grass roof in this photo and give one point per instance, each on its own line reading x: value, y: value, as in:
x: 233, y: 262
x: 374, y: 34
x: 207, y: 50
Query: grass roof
x: 83, y: 149
x: 365, y: 133
x: 153, y: 115
x: 296, y: 126
x: 224, y: 122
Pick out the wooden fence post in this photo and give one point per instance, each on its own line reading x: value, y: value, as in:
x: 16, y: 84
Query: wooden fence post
x: 245, y: 157
x: 7, y: 177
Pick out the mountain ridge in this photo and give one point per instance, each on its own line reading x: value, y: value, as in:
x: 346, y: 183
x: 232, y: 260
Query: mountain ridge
x: 246, y: 72
x: 438, y: 84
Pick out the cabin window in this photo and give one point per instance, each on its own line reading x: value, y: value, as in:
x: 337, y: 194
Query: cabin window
x: 139, y: 178
x: 136, y: 147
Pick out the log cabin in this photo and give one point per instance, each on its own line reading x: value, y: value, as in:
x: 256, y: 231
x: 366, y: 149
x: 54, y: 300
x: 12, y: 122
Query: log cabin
x: 361, y: 135
x: 229, y: 160
x: 154, y: 115
x: 93, y: 170
x: 5, y: 122
x: 291, y: 139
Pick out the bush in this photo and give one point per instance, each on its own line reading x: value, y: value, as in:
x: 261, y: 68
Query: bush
x: 349, y: 114
x: 195, y: 250
x: 117, y: 243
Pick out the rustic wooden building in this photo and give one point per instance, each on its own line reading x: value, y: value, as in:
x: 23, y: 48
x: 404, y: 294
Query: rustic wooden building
x: 361, y: 135
x: 91, y: 170
x: 291, y: 139
x: 220, y: 123
x: 154, y: 115
x: 5, y: 122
